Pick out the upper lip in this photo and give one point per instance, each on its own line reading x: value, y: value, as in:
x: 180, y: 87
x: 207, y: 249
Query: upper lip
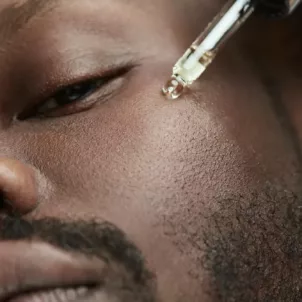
x: 33, y: 266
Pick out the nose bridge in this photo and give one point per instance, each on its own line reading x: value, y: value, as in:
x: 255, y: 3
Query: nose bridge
x: 13, y: 142
x: 7, y: 141
x: 18, y: 181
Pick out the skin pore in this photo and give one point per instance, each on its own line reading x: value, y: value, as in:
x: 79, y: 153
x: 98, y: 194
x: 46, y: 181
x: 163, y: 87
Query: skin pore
x: 206, y: 187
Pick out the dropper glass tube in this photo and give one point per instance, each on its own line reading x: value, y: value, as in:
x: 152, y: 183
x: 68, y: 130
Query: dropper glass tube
x: 204, y: 49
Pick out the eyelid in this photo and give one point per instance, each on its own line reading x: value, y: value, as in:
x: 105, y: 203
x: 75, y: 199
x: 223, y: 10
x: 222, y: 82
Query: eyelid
x: 106, y: 76
x: 110, y: 71
x: 99, y: 96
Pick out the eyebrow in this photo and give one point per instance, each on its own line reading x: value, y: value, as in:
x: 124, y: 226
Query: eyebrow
x: 15, y: 17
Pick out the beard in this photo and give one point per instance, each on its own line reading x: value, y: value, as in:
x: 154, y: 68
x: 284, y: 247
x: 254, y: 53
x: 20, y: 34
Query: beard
x: 253, y: 247
x: 91, y: 239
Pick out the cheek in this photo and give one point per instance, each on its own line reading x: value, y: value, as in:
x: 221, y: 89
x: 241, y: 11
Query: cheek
x: 148, y: 153
x: 155, y: 167
x: 290, y: 95
x: 220, y: 140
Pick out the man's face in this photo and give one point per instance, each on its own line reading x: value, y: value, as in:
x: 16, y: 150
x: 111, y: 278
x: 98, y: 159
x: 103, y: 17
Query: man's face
x: 206, y: 187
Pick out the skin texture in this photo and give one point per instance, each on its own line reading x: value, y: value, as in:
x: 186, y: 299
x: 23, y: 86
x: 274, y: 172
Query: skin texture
x: 173, y: 176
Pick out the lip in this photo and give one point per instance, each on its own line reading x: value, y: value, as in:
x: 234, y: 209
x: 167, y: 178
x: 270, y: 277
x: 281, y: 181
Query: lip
x: 34, y: 266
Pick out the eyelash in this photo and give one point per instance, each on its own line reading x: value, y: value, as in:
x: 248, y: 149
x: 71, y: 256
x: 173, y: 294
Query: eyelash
x: 108, y: 83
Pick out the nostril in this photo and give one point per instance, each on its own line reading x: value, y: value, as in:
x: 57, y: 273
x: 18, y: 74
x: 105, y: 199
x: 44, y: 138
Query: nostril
x: 6, y: 206
x: 2, y: 204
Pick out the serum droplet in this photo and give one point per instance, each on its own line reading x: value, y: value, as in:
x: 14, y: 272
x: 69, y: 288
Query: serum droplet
x: 174, y: 88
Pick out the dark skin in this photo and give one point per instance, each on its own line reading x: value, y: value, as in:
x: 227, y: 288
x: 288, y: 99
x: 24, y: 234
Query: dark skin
x: 173, y: 176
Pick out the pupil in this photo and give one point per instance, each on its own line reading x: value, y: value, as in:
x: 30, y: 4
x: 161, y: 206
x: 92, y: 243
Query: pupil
x: 75, y: 93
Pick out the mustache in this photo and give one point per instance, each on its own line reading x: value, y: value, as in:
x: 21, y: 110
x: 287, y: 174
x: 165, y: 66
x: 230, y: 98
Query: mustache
x: 90, y: 238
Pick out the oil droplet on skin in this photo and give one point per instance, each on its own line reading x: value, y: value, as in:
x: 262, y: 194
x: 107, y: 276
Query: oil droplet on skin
x: 174, y: 88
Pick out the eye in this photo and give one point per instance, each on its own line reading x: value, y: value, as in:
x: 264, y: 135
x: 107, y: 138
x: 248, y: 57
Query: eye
x: 69, y: 95
x: 72, y: 94
x: 76, y: 97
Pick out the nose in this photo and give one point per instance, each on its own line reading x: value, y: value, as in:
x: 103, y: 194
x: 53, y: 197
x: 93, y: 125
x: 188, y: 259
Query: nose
x: 18, y: 188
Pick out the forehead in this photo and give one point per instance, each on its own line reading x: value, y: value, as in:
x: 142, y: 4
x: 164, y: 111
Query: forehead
x: 9, y: 5
x: 35, y: 4
x: 5, y: 3
x: 16, y: 15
